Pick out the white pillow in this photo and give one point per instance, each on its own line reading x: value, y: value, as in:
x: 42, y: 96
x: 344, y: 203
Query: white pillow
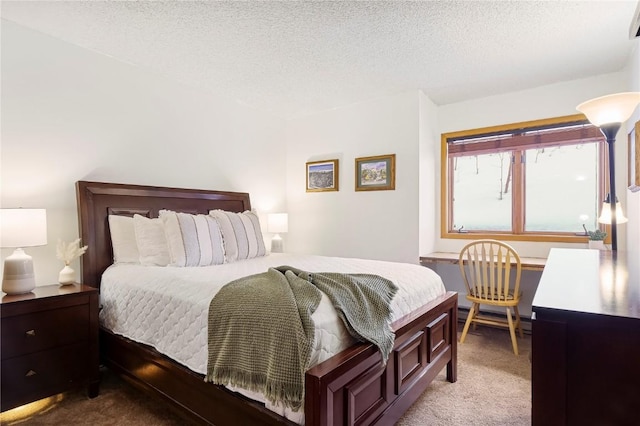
x: 241, y: 234
x: 123, y: 239
x: 194, y: 240
x: 152, y: 244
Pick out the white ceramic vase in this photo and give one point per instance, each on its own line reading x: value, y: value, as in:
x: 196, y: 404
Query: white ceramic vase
x: 67, y: 275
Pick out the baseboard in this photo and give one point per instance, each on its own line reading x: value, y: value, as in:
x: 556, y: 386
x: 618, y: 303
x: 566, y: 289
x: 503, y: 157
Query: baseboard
x: 525, y: 321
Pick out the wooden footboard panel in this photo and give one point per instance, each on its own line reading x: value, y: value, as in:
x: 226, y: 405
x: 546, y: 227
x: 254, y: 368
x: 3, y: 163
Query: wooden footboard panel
x: 354, y: 388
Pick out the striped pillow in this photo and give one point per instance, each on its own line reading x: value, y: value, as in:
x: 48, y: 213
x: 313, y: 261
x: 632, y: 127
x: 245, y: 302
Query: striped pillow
x: 194, y: 240
x: 241, y: 234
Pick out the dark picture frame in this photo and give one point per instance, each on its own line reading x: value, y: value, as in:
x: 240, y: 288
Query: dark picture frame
x: 323, y: 176
x: 377, y: 173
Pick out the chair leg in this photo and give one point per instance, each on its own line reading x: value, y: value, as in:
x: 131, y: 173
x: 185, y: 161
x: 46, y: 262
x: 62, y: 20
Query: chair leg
x: 518, y: 323
x: 475, y: 314
x: 468, y: 322
x: 512, y: 331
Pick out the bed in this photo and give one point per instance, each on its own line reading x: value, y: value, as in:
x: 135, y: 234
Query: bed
x: 351, y: 387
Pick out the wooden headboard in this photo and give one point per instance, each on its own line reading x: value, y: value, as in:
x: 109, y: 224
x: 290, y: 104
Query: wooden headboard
x: 97, y: 200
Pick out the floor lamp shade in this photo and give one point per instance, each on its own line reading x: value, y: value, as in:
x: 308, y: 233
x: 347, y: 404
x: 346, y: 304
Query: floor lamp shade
x: 616, y: 108
x: 277, y: 223
x: 21, y: 228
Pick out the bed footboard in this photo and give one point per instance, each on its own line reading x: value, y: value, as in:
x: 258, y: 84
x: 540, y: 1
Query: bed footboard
x: 354, y: 388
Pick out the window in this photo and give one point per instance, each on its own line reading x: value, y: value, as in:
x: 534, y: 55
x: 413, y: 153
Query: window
x: 535, y: 181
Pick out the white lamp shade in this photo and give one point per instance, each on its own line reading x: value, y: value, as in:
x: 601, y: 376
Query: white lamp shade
x: 605, y: 215
x: 278, y: 223
x: 616, y: 108
x: 23, y: 227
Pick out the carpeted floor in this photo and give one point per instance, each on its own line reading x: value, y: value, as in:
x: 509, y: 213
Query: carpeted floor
x: 493, y: 388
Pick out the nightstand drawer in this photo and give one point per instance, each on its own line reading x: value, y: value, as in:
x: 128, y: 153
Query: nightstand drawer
x: 35, y: 376
x: 25, y: 334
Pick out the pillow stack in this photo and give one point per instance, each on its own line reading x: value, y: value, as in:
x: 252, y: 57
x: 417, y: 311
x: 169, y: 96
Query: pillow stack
x: 182, y: 239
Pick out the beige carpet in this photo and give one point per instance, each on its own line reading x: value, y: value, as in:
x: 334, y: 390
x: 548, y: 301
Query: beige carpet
x: 493, y: 388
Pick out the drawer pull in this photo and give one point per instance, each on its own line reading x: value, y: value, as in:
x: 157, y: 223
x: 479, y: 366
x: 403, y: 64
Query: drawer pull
x: 31, y: 333
x: 30, y: 373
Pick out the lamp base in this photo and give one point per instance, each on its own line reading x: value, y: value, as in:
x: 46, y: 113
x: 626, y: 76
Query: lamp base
x: 277, y: 245
x: 18, y: 276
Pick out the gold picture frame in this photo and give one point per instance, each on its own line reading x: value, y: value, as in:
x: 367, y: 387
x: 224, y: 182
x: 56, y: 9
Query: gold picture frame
x: 323, y: 176
x: 376, y: 173
x: 633, y: 166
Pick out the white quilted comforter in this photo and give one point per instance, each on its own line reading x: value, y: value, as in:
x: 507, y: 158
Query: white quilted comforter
x: 167, y: 307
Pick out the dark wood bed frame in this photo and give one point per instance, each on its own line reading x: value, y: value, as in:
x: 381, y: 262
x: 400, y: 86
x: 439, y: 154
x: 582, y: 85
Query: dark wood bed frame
x: 351, y: 388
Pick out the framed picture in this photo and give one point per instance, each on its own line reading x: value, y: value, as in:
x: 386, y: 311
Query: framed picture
x: 634, y: 158
x: 322, y: 176
x: 376, y: 173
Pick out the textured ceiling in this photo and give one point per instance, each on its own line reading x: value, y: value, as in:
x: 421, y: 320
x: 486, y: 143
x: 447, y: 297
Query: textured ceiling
x: 296, y: 58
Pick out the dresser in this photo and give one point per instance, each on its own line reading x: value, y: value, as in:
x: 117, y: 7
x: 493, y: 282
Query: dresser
x: 586, y: 339
x: 49, y: 343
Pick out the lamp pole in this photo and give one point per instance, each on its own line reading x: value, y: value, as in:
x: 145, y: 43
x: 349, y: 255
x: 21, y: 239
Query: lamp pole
x: 610, y: 130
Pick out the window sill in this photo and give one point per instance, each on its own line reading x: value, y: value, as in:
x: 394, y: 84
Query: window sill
x: 528, y: 263
x: 556, y: 238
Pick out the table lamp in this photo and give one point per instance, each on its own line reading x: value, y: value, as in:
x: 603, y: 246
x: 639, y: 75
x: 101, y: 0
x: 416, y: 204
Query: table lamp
x: 277, y: 223
x: 21, y: 228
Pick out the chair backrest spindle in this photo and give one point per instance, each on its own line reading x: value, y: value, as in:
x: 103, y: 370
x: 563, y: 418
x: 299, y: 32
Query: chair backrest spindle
x: 486, y: 267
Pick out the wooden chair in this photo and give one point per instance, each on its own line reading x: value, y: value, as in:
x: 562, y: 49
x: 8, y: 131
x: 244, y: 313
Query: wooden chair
x: 491, y: 272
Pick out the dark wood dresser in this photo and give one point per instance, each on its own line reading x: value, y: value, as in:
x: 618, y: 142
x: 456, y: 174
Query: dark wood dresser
x: 49, y: 343
x: 586, y: 339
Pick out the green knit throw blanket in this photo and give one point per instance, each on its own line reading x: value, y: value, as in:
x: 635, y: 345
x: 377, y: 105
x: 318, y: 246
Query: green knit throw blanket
x: 261, y: 332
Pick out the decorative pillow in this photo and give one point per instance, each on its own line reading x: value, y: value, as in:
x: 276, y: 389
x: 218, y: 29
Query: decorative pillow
x: 241, y: 234
x: 152, y: 244
x: 123, y: 239
x: 194, y: 240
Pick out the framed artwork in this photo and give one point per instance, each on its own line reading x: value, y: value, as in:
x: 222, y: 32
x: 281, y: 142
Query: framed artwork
x: 633, y: 166
x: 376, y: 173
x: 322, y: 176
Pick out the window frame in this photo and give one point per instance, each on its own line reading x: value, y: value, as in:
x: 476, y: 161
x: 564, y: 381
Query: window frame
x: 517, y: 232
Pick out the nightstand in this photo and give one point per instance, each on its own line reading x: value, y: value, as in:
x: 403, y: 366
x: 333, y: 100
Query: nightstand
x: 49, y: 343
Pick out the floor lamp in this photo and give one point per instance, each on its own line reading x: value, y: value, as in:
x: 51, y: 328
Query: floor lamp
x: 608, y: 113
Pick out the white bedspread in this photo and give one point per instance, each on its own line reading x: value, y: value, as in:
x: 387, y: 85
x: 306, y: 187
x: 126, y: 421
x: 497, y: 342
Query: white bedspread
x: 167, y: 307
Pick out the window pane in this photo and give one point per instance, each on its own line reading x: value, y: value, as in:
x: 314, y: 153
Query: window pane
x: 482, y: 192
x: 562, y: 188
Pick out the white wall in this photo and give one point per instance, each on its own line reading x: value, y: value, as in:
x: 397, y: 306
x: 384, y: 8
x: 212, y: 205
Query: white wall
x: 543, y: 102
x: 70, y: 114
x: 367, y: 224
x: 429, y: 179
x: 633, y: 198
